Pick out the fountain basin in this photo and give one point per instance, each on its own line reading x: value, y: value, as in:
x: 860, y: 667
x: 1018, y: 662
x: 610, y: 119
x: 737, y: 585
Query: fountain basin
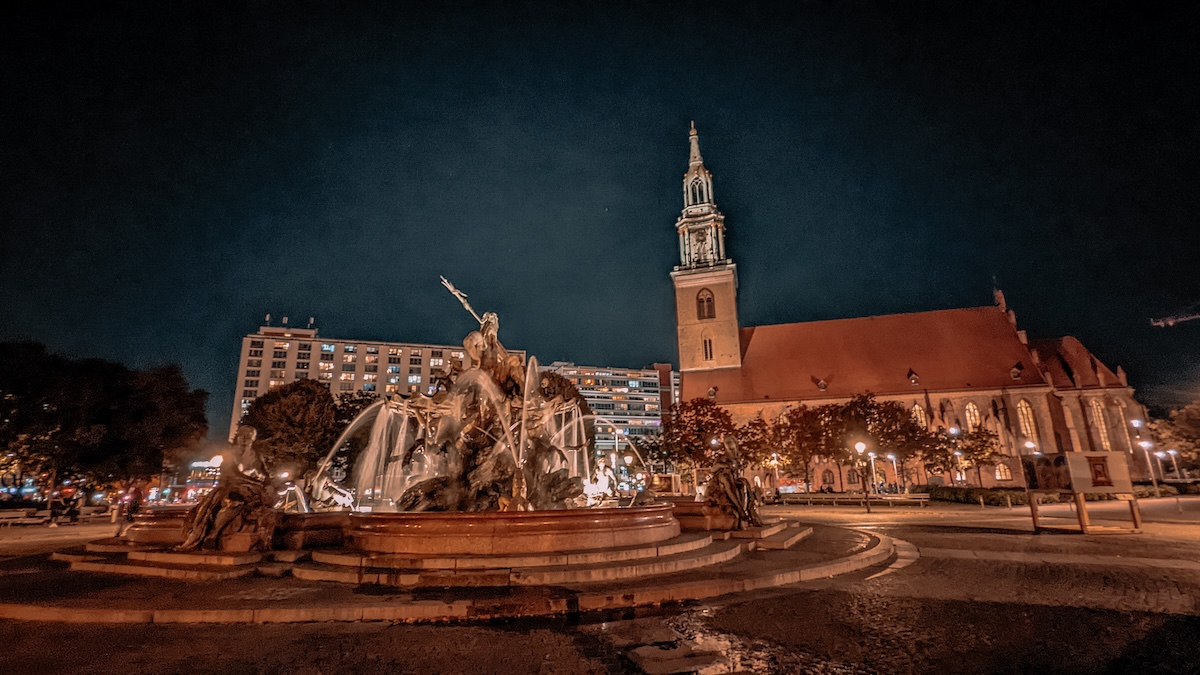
x: 502, y: 533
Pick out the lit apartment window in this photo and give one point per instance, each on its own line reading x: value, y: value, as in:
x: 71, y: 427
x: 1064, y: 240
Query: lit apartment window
x: 369, y: 377
x: 393, y: 369
x: 393, y: 351
x: 394, y: 379
x: 346, y: 377
x: 278, y: 373
x: 328, y: 348
x: 370, y: 359
x: 325, y: 376
x: 414, y: 379
x: 456, y: 355
x: 350, y: 349
x: 276, y: 383
x: 349, y: 358
x: 392, y: 388
x: 372, y: 350
x: 415, y: 352
x: 368, y: 386
x: 324, y: 365
x: 436, y: 362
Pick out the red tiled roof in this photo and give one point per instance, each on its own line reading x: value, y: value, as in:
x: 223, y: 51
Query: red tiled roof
x: 1071, y: 366
x: 973, y: 348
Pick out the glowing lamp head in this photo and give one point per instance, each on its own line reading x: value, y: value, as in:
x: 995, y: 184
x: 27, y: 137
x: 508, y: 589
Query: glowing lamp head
x: 1137, y: 424
x: 1145, y: 444
x: 954, y: 431
x: 1030, y: 444
x: 957, y: 453
x: 871, y: 455
x: 1160, y: 454
x: 1172, y: 452
x: 860, y: 447
x: 891, y: 456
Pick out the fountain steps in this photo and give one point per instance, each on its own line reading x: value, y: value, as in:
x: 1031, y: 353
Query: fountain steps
x: 164, y: 570
x: 681, y: 544
x: 711, y: 554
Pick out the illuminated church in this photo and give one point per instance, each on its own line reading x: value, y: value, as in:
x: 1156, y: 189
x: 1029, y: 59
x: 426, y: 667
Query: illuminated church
x: 962, y: 368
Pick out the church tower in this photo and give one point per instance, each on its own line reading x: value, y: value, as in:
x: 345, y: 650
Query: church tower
x: 705, y: 279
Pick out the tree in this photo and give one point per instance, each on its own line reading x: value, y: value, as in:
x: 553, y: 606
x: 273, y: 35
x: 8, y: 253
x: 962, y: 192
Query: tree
x: 1181, y: 432
x: 694, y: 431
x: 808, y: 434
x: 93, y: 419
x: 979, y: 448
x: 758, y: 439
x: 295, y: 423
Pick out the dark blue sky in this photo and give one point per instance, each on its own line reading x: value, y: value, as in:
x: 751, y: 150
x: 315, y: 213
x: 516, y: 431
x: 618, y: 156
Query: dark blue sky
x: 172, y: 172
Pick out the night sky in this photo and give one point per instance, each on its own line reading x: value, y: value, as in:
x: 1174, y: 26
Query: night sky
x: 171, y: 172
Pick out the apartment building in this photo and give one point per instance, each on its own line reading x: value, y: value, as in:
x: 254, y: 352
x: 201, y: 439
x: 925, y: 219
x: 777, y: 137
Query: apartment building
x: 276, y: 355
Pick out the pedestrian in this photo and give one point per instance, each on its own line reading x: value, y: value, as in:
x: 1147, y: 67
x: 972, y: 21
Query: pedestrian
x: 133, y: 504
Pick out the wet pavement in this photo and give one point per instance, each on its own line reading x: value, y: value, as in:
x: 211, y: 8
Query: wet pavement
x: 935, y: 613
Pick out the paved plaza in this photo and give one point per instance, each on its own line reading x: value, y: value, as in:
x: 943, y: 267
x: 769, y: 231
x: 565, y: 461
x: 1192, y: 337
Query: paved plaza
x: 968, y: 590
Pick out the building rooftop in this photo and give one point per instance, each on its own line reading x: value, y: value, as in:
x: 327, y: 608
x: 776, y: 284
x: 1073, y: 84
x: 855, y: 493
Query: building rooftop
x: 971, y: 348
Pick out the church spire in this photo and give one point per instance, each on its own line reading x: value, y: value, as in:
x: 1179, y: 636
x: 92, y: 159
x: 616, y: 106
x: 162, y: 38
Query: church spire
x: 694, y: 158
x: 697, y: 182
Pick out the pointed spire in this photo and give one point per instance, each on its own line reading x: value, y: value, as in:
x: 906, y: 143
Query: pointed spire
x: 694, y: 157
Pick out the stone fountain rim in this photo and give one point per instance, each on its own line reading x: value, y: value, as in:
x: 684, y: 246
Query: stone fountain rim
x: 513, y: 515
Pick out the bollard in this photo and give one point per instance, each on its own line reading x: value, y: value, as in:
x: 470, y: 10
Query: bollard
x: 981, y: 502
x: 1008, y: 498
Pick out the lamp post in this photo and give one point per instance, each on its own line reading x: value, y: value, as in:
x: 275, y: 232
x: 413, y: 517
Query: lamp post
x: 861, y: 447
x: 874, y: 476
x: 958, y: 467
x: 1159, y: 456
x: 1145, y: 445
x: 1175, y: 462
x: 896, y: 472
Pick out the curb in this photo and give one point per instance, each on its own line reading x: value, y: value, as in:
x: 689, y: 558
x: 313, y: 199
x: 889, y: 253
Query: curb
x: 461, y: 610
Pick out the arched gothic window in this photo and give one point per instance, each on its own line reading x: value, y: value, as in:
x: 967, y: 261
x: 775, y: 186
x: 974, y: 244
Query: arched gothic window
x: 919, y: 415
x: 1101, y: 422
x: 697, y: 190
x: 852, y: 477
x: 973, y: 421
x: 826, y: 477
x: 706, y: 307
x: 1003, y: 472
x: 708, y: 349
x: 1025, y: 417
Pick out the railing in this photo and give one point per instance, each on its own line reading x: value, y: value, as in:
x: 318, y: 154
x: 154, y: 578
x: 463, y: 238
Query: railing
x: 845, y: 499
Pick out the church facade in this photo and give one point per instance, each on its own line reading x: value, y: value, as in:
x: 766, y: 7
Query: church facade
x: 965, y: 368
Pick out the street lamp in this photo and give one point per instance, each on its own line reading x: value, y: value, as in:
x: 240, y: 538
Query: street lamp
x: 1175, y: 461
x: 1145, y: 445
x: 861, y: 447
x: 903, y: 482
x: 958, y: 467
x: 874, y: 480
x: 1159, y: 456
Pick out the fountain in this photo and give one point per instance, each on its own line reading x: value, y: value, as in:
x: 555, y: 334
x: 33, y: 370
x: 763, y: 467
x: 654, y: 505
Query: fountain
x: 491, y: 460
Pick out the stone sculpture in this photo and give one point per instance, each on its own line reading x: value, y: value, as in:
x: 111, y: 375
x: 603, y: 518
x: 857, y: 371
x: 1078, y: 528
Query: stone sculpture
x: 729, y: 492
x: 238, y: 514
